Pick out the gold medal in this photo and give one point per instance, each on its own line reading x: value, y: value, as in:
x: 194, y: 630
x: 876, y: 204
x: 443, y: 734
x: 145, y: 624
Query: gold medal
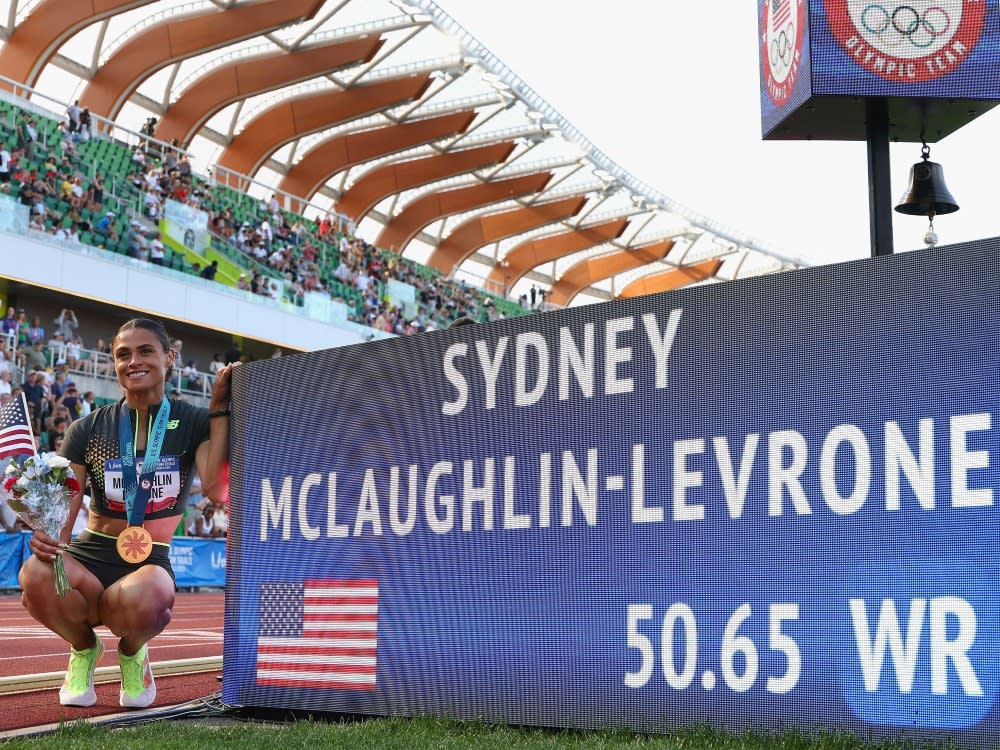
x: 134, y: 544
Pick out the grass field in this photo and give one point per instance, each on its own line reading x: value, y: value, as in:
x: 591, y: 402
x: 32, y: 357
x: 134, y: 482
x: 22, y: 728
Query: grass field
x: 413, y: 734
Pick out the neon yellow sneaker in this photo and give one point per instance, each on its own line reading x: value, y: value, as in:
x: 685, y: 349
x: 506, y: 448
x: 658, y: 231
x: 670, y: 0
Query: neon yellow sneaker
x: 78, y: 686
x: 138, y: 688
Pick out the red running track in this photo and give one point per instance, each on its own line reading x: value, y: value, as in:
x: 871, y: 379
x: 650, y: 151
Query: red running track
x: 27, y: 648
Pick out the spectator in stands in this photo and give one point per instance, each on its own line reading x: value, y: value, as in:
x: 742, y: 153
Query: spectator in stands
x: 5, y: 386
x: 67, y: 147
x: 170, y: 159
x: 34, y: 391
x: 8, y: 325
x: 298, y: 232
x: 152, y: 206
x: 78, y: 197
x: 221, y: 519
x: 343, y: 272
x: 266, y: 235
x: 4, y: 163
x: 71, y: 400
x: 157, y: 252
x: 149, y: 127
x: 137, y: 242
x: 243, y: 283
x: 87, y: 403
x: 39, y: 185
x: 6, y: 357
x: 56, y: 432
x: 57, y: 349
x: 86, y: 125
x: 58, y: 385
x: 203, y: 525
x: 192, y: 376
x: 95, y: 193
x: 27, y: 136
x: 22, y: 327
x: 177, y: 347
x: 37, y: 331
x: 73, y: 116
x: 100, y: 361
x: 33, y: 358
x: 40, y: 211
x: 74, y: 349
x: 210, y: 270
x: 106, y: 227
x: 67, y: 323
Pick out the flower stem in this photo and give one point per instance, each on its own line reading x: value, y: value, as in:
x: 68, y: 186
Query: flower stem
x: 62, y: 582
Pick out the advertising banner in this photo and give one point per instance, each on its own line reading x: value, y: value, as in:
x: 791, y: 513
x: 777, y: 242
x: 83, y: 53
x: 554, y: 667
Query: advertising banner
x: 198, y: 562
x: 186, y: 225
x: 764, y: 503
x: 12, y: 554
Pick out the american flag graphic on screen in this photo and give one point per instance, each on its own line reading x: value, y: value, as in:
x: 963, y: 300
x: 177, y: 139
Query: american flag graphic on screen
x: 318, y: 634
x: 780, y: 12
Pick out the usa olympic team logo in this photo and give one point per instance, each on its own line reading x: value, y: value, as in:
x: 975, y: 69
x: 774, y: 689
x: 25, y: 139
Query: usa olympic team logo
x: 907, y: 42
x: 783, y: 25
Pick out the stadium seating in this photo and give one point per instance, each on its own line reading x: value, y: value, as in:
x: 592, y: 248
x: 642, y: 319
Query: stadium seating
x: 114, y: 161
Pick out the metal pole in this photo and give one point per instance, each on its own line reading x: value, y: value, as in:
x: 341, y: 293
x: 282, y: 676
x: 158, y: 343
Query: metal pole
x: 879, y: 200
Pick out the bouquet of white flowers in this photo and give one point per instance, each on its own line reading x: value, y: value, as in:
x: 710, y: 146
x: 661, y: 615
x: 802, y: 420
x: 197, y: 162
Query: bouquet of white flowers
x: 38, y: 489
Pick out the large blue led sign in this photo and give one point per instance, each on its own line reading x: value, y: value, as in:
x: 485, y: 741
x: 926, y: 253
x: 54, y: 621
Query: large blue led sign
x: 762, y: 503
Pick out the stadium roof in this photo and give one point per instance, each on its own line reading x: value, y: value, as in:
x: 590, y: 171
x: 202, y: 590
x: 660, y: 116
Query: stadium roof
x: 391, y: 113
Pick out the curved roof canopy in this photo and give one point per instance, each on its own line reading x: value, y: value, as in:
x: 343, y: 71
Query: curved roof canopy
x: 388, y: 111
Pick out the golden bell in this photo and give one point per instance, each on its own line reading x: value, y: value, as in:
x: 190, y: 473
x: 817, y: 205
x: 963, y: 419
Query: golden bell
x: 927, y: 194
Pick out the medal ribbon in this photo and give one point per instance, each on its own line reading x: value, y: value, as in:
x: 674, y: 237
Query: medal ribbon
x: 135, y: 496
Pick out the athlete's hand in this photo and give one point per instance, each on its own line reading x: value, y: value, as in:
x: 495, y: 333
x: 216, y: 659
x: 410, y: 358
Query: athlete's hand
x: 222, y: 390
x: 43, y: 546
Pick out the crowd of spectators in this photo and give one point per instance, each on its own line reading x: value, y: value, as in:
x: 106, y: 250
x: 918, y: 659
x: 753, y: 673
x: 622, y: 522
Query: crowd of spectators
x: 286, y: 256
x: 47, y: 358
x: 53, y: 399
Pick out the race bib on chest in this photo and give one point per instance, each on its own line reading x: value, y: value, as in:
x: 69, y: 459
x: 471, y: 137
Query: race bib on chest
x: 164, y: 486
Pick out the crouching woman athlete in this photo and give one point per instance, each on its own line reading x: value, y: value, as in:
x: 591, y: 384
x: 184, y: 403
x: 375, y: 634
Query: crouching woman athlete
x: 137, y: 456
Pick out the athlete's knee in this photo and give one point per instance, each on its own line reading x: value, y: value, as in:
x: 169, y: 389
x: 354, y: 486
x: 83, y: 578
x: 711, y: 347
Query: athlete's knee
x: 33, y: 578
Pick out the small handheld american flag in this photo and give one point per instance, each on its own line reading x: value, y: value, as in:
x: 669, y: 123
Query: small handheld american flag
x: 16, y: 438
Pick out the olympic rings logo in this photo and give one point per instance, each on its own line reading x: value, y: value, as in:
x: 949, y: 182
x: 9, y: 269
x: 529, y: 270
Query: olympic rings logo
x: 920, y: 30
x: 782, y: 48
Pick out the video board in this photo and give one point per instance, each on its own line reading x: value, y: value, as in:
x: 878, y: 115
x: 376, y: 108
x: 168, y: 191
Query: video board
x: 763, y: 503
x: 936, y: 48
x: 927, y: 50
